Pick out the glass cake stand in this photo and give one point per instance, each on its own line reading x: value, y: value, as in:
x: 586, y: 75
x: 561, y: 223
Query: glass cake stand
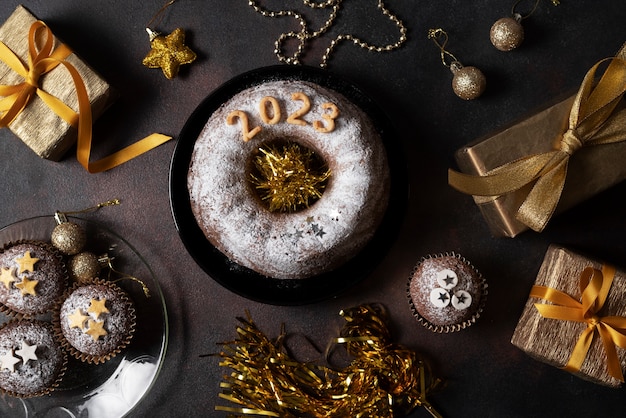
x: 112, y: 389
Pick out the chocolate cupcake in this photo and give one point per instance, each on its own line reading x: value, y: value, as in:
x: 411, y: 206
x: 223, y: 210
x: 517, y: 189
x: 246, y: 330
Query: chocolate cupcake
x: 446, y: 293
x: 33, y: 277
x: 32, y: 361
x: 96, y: 321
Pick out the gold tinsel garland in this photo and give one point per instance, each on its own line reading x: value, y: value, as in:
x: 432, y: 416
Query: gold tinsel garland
x: 383, y: 380
x: 288, y: 177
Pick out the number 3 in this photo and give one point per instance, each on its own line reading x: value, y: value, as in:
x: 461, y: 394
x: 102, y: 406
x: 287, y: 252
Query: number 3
x: 328, y: 117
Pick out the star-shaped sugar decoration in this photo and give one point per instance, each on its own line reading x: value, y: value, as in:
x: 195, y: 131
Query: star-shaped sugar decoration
x: 27, y: 352
x: 95, y: 329
x: 448, y: 280
x: 168, y: 52
x: 26, y: 263
x: 8, y: 361
x: 461, y: 300
x: 77, y: 319
x: 6, y: 276
x: 97, y: 307
x: 27, y: 286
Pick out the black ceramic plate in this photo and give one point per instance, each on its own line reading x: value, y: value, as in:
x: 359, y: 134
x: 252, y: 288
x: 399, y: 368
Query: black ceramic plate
x: 242, y: 280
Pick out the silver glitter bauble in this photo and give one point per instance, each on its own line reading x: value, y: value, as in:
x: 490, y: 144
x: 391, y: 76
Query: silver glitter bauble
x: 69, y: 238
x: 468, y: 82
x: 84, y: 266
x: 507, y: 33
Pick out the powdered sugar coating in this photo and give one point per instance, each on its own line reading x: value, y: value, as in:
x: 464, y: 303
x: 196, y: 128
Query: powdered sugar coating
x: 49, y: 271
x: 34, y: 377
x: 426, y: 278
x: 304, y: 243
x: 118, y: 322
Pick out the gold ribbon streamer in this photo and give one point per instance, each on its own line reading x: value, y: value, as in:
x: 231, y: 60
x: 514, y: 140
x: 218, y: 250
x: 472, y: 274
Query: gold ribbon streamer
x: 593, y: 120
x: 41, y: 61
x: 594, y: 286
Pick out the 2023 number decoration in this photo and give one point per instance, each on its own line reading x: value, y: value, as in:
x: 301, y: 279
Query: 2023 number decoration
x: 329, y: 114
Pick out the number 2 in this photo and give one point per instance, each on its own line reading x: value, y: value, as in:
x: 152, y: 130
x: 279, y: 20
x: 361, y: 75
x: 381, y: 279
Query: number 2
x: 246, y: 132
x: 294, y: 118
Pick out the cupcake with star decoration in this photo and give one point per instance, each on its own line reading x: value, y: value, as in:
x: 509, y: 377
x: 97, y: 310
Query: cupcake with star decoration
x: 32, y: 361
x: 96, y: 321
x: 33, y: 277
x: 446, y: 293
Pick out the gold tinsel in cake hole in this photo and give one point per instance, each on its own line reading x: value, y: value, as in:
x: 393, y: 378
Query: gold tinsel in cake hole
x: 288, y: 177
x: 383, y: 380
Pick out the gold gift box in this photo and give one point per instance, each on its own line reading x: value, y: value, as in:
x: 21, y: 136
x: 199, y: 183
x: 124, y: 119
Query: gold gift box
x: 552, y: 341
x: 37, y: 125
x: 591, y: 169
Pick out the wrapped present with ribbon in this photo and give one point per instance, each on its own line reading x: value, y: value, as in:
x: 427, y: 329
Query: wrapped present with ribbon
x: 553, y: 160
x: 40, y: 100
x: 575, y: 317
x: 50, y: 97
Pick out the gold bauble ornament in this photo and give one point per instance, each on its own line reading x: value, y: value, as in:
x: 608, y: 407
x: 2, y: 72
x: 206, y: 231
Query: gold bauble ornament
x: 507, y: 33
x: 468, y: 82
x: 84, y: 266
x: 69, y: 238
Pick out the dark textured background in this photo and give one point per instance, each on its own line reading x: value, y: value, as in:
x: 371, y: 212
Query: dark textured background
x: 486, y: 376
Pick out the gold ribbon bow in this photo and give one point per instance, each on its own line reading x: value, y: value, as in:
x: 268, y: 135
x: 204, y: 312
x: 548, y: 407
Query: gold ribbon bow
x: 594, y: 286
x: 41, y: 61
x: 593, y: 120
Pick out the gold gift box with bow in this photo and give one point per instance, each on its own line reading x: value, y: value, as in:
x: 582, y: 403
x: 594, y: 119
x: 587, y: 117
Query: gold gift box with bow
x: 596, y: 166
x: 575, y: 317
x: 47, y: 134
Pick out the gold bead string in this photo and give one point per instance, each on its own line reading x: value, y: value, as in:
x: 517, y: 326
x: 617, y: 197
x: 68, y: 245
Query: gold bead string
x: 304, y: 35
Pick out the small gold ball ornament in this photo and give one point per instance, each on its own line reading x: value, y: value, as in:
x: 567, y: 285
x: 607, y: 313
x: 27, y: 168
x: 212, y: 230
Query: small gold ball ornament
x: 507, y: 33
x: 69, y: 238
x: 468, y: 82
x: 84, y: 266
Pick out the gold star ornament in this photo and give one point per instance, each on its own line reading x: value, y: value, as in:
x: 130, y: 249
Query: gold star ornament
x: 168, y: 52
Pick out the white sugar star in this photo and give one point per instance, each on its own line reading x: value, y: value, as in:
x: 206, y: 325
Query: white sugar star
x: 8, y: 361
x: 27, y: 352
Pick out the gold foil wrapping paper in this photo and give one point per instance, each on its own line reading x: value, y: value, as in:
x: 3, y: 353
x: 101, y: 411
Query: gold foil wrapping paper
x: 37, y: 125
x: 591, y: 170
x: 552, y: 341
